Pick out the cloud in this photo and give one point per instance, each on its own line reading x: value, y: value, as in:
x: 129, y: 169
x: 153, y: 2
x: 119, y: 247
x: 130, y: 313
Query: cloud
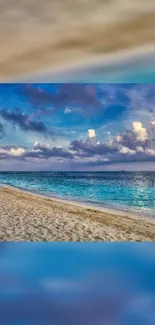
x: 152, y: 132
x: 126, y: 150
x: 36, y: 95
x: 11, y: 152
x: 38, y: 151
x: 42, y: 151
x: 138, y: 136
x: 91, y: 133
x: 141, y: 97
x: 92, y: 137
x: 17, y: 152
x: 90, y: 149
x: 23, y: 121
x: 140, y: 131
x: 64, y: 96
x: 131, y: 146
x: 135, y: 145
x: 1, y: 130
x: 67, y: 110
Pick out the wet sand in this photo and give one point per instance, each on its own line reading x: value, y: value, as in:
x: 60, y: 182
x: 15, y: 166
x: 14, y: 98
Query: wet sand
x: 29, y: 217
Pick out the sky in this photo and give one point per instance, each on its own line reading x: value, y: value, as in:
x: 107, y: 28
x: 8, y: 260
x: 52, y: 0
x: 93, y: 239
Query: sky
x: 77, y: 127
x: 77, y: 283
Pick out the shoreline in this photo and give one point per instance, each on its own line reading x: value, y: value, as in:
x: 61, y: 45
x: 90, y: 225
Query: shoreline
x: 33, y: 217
x: 88, y: 205
x: 108, y: 61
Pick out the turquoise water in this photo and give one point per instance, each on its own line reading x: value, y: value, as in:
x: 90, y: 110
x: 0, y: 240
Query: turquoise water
x: 127, y: 191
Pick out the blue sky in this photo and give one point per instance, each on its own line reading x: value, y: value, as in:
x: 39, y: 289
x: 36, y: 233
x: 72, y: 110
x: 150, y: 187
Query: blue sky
x: 46, y: 126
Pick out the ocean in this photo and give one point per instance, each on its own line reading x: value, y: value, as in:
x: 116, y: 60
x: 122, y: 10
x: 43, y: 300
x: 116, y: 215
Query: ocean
x: 125, y: 191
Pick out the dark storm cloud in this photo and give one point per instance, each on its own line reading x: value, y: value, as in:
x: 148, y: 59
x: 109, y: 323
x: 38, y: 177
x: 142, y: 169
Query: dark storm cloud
x: 24, y: 122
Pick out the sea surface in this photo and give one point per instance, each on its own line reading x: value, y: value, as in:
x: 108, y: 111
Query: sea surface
x: 126, y: 191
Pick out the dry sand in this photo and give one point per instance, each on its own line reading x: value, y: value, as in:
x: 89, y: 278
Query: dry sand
x: 29, y: 217
x: 39, y: 34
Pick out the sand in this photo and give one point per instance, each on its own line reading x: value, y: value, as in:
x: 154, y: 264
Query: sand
x: 48, y: 34
x: 28, y: 217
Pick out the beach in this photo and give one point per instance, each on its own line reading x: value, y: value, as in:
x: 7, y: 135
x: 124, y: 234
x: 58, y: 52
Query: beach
x: 50, y: 36
x: 25, y: 216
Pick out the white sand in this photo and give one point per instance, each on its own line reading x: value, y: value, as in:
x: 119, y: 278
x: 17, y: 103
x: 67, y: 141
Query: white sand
x: 29, y: 217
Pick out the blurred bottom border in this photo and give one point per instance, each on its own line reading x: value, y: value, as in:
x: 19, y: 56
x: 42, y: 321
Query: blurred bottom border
x: 77, y: 283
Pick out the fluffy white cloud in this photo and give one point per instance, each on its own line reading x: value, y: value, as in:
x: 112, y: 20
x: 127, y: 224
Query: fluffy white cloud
x: 139, y: 149
x: 138, y: 136
x: 118, y: 138
x: 134, y: 144
x: 153, y: 123
x: 151, y: 152
x: 92, y: 137
x: 126, y: 150
x: 14, y: 152
x: 3, y: 151
x: 91, y: 133
x: 67, y: 110
x: 140, y: 132
x: 17, y: 152
x: 36, y: 144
